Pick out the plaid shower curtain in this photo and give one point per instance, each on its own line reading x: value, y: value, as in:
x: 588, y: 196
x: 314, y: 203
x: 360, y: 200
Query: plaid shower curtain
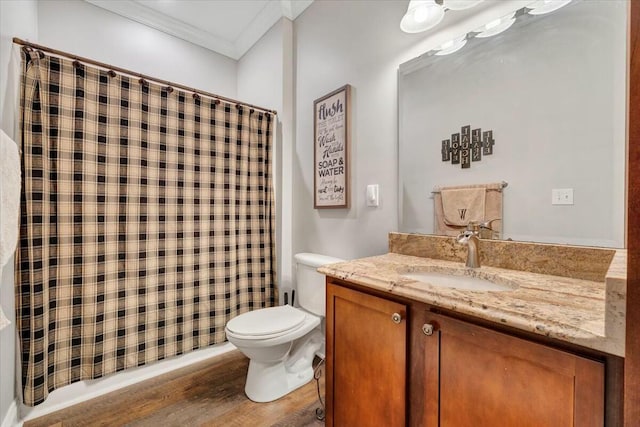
x: 147, y: 222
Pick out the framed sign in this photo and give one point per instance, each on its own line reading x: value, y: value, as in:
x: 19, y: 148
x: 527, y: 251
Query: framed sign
x: 331, y: 147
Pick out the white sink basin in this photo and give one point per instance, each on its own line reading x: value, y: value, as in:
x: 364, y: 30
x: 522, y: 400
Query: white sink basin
x: 457, y: 282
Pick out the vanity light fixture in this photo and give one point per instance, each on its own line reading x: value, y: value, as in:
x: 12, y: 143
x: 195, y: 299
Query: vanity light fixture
x: 421, y: 15
x: 496, y: 26
x: 451, y: 46
x: 460, y: 4
x: 540, y: 7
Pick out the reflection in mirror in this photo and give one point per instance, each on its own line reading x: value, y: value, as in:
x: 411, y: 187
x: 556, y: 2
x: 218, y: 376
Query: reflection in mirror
x: 551, y: 87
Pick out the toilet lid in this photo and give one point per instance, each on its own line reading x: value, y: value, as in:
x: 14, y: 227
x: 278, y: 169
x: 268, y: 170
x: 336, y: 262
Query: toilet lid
x: 266, y: 321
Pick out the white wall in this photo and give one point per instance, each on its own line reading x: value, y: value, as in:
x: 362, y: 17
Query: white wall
x: 265, y: 79
x: 17, y: 19
x: 338, y: 43
x: 83, y: 29
x: 359, y: 43
x: 260, y: 70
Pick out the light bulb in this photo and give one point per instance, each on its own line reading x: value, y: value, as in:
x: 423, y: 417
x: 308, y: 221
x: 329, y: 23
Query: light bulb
x: 540, y: 7
x: 496, y: 26
x: 421, y: 15
x: 451, y: 46
x: 493, y: 24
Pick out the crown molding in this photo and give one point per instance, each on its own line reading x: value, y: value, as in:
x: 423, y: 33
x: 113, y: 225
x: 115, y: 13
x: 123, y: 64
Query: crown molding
x: 293, y: 8
x: 161, y: 22
x: 273, y: 11
x: 268, y: 16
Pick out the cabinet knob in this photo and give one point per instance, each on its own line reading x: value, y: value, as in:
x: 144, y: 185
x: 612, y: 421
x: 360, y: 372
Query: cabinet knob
x: 396, y: 317
x: 427, y: 329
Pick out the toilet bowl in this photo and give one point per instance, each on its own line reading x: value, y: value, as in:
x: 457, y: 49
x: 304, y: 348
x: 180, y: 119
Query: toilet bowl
x: 282, y: 341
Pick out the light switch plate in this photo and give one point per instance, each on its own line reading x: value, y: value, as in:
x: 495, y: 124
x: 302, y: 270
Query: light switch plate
x: 373, y: 197
x: 562, y: 196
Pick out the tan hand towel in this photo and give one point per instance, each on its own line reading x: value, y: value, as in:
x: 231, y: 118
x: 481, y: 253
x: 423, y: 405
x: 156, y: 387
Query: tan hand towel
x: 462, y: 205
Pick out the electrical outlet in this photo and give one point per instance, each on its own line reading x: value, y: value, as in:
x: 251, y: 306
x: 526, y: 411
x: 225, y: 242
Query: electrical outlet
x: 562, y: 196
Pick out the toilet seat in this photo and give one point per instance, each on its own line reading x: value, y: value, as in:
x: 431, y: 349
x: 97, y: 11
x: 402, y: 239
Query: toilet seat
x: 266, y: 323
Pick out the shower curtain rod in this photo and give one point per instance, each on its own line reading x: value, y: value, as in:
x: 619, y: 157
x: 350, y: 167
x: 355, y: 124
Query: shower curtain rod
x: 21, y: 42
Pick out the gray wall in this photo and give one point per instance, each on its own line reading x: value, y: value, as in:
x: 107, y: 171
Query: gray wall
x: 265, y: 79
x: 552, y: 88
x: 357, y: 43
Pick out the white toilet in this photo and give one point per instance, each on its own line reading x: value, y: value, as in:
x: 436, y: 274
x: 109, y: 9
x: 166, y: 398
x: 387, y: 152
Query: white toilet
x: 282, y: 341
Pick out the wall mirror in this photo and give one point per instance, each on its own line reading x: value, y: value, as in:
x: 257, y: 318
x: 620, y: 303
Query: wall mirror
x: 552, y: 88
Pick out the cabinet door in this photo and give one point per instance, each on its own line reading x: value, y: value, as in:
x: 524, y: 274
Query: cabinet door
x: 480, y: 377
x: 366, y: 359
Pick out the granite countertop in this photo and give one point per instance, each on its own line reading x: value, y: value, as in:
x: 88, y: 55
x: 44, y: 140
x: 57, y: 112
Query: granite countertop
x: 589, y: 313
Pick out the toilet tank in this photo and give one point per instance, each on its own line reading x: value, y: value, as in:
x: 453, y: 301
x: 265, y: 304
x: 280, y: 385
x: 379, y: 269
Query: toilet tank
x: 310, y: 285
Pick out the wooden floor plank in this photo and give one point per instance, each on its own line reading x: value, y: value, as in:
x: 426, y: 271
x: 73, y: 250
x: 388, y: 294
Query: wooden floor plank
x: 209, y: 393
x: 305, y: 416
x: 249, y: 413
x: 136, y: 402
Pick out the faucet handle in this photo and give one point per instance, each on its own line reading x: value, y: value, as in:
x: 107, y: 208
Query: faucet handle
x: 473, y: 226
x: 487, y: 224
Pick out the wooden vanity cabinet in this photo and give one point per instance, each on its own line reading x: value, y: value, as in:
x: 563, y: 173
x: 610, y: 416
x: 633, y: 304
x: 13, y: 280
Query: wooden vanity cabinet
x: 480, y: 377
x: 434, y: 370
x: 366, y: 359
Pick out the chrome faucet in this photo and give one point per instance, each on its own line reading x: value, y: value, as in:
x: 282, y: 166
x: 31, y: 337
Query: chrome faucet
x: 470, y: 238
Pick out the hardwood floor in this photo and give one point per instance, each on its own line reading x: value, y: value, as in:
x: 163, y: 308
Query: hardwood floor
x: 209, y: 393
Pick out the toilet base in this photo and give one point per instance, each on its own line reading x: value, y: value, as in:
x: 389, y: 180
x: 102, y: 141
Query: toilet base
x: 270, y: 381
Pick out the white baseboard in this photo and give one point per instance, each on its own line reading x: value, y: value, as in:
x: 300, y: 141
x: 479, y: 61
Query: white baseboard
x: 11, y: 417
x: 85, y: 390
